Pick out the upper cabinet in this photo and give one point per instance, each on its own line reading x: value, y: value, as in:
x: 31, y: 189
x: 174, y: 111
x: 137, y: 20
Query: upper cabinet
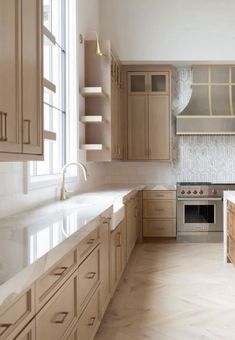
x: 149, y: 115
x: 20, y: 80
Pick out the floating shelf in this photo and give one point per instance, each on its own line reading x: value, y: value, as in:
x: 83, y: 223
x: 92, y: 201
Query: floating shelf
x: 92, y: 91
x: 50, y: 38
x: 49, y: 135
x: 48, y: 85
x: 92, y: 119
x: 92, y: 147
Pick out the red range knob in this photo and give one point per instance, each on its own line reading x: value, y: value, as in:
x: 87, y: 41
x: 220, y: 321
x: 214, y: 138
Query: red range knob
x: 200, y: 192
x: 188, y: 192
x: 214, y: 192
x: 195, y: 192
x: 182, y: 192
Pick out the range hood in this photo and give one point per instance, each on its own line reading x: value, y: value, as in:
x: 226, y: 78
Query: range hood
x: 210, y: 110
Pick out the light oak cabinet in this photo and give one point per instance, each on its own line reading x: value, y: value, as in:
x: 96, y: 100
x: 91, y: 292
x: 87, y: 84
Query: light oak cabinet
x: 131, y: 224
x: 20, y: 80
x: 159, y: 214
x: 28, y: 333
x: 115, y: 256
x: 149, y: 116
x: 104, y: 266
x: 231, y: 232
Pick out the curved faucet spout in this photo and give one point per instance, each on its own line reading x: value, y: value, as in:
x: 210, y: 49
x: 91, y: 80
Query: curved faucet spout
x: 79, y: 165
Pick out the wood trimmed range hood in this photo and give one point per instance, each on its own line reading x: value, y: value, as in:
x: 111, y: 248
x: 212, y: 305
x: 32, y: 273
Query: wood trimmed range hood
x: 211, y: 108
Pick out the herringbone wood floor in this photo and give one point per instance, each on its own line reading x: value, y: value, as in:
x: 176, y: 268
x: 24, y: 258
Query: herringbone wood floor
x: 173, y: 292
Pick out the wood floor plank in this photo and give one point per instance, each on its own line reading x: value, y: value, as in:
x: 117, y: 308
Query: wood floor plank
x: 174, y: 291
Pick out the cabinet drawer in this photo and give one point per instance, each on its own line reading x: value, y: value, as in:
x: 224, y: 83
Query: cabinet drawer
x: 74, y: 334
x: 159, y: 228
x: 51, y: 281
x: 231, y: 250
x: 159, y: 209
x: 60, y: 313
x: 89, y: 321
x: 161, y: 195
x: 88, y: 244
x: 17, y: 315
x: 88, y: 276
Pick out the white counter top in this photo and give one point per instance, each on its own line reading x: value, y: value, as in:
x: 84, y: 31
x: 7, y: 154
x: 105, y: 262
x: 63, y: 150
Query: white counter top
x: 33, y: 241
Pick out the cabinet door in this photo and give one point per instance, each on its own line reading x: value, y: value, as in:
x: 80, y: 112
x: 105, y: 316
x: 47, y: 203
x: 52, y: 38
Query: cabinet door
x: 159, y: 128
x: 10, y: 113
x: 131, y: 227
x: 159, y: 82
x: 137, y: 83
x: 32, y: 76
x: 114, y: 118
x: 28, y: 333
x: 138, y: 127
x: 104, y: 266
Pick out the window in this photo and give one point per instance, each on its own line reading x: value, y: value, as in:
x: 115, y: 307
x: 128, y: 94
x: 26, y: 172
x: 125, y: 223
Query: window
x: 55, y: 116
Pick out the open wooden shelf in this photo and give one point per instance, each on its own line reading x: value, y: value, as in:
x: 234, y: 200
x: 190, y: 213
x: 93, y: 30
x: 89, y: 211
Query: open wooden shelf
x: 92, y: 119
x: 49, y: 86
x: 92, y: 147
x: 92, y: 92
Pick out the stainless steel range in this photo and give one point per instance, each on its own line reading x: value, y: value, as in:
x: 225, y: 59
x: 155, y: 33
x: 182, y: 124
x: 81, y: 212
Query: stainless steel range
x: 200, y: 211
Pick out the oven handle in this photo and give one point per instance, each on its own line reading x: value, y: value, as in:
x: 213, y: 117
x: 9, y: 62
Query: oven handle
x: 200, y: 199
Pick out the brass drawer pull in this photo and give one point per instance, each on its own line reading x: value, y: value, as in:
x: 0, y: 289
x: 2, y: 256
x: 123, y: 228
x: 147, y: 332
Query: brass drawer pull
x: 159, y: 210
x: 119, y: 240
x: 28, y: 122
x: 91, y: 241
x: 60, y: 271
x: 91, y: 322
x: 60, y: 317
x: 3, y: 126
x: 91, y: 275
x: 5, y: 327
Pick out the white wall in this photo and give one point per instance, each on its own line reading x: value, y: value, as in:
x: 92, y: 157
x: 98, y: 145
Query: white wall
x: 170, y: 30
x: 12, y: 198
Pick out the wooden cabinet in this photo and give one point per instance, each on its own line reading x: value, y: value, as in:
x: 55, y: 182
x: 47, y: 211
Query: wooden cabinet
x: 131, y: 224
x: 16, y: 316
x: 116, y: 264
x: 32, y: 76
x: 231, y: 231
x: 104, y: 266
x: 159, y: 214
x: 20, y: 80
x: 116, y: 110
x: 138, y: 127
x: 60, y: 313
x: 149, y: 116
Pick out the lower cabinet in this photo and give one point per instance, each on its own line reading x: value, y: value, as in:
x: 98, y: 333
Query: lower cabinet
x: 115, y: 256
x: 231, y: 232
x: 159, y: 214
x: 131, y: 224
x: 71, y: 298
x: 60, y: 313
x: 89, y: 321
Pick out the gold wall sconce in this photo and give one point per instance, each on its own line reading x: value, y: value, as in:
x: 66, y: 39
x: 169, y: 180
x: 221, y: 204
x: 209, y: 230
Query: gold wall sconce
x: 98, y: 48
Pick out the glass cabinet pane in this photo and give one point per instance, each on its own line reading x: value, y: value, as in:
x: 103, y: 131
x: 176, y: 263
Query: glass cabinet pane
x: 220, y: 74
x: 158, y: 83
x: 137, y: 83
x: 220, y: 100
x: 233, y: 75
x: 200, y: 74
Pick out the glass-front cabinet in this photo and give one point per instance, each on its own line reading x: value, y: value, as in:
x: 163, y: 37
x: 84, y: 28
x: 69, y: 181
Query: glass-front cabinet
x: 148, y: 83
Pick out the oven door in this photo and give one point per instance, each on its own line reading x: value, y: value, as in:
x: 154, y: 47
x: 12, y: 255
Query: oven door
x: 195, y: 214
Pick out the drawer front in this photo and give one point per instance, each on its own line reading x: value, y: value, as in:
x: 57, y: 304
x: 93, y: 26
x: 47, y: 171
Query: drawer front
x: 88, y: 244
x: 28, y: 333
x: 14, y: 318
x: 89, y: 321
x: 159, y: 228
x: 159, y: 209
x: 231, y: 250
x: 88, y: 276
x: 159, y: 195
x: 46, y: 286
x: 73, y: 335
x: 60, y: 313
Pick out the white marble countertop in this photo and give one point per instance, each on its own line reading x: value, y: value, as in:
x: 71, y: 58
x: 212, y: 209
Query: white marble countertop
x: 33, y: 241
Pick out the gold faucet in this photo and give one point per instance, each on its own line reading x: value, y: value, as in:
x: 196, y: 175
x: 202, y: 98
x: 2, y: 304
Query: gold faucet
x: 63, y: 191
